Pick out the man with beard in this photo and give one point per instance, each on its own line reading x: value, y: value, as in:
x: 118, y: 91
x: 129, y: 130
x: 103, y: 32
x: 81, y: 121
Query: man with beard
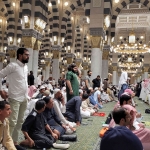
x: 16, y: 73
x: 87, y: 79
x: 97, y: 82
x: 72, y: 84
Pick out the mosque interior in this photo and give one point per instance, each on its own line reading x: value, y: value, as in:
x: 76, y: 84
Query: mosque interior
x: 104, y: 36
x: 107, y: 36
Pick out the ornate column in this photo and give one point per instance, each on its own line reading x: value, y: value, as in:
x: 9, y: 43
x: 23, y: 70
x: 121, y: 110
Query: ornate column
x: 69, y: 58
x: 105, y: 61
x: 85, y: 68
x: 97, y: 47
x: 47, y: 68
x: 2, y: 56
x: 29, y: 42
x: 35, y: 58
x: 146, y: 72
x: 44, y: 72
x: 56, y: 49
x: 12, y: 53
x: 114, y: 75
x: 78, y: 62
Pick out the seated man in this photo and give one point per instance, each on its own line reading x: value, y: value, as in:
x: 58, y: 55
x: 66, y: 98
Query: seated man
x: 58, y: 105
x: 34, y: 130
x: 120, y: 137
x: 73, y: 108
x: 52, y: 118
x: 6, y: 140
x: 41, y: 92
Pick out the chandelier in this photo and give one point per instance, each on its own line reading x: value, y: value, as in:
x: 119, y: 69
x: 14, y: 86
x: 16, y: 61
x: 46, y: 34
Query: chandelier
x: 130, y: 65
x: 132, y: 48
x: 132, y: 37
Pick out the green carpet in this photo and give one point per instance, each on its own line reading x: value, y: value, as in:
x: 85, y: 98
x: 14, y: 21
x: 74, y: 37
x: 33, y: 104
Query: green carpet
x: 88, y: 135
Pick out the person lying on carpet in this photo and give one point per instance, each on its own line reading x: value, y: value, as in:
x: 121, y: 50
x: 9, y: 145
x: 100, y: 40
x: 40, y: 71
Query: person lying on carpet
x: 120, y: 137
x: 34, y: 129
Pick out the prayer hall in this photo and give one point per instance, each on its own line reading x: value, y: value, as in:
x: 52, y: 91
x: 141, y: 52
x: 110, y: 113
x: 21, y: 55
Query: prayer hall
x: 74, y: 74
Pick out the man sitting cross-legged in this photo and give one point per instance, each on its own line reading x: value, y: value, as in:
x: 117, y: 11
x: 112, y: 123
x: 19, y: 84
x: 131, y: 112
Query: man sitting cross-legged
x: 120, y: 137
x: 52, y: 119
x: 34, y: 130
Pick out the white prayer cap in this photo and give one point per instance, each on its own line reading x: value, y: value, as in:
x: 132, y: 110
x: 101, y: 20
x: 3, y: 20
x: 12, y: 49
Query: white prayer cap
x: 80, y: 91
x: 47, y: 92
x: 96, y: 89
x: 42, y: 87
x: 56, y: 90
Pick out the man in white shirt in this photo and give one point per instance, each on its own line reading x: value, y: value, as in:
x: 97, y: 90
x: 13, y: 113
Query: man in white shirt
x: 16, y: 73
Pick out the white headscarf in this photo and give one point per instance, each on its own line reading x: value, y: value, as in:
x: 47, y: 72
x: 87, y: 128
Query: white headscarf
x: 123, y: 79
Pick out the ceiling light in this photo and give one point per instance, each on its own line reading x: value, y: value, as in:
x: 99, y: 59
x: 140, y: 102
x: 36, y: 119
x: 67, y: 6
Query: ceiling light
x: 58, y: 1
x: 71, y: 18
x: 50, y: 4
x: 26, y: 19
x: 142, y: 37
x: 121, y: 37
x: 14, y: 4
x: 116, y: 1
x: 0, y: 20
x: 66, y: 3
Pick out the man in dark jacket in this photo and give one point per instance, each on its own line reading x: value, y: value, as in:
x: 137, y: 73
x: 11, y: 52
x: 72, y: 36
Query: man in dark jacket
x: 96, y: 82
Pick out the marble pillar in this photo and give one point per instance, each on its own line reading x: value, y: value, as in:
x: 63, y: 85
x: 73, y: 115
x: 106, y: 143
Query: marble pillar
x: 97, y: 36
x: 55, y: 70
x: 35, y: 63
x: 104, y: 69
x: 56, y: 49
x: 47, y: 70
x: 106, y: 50
x: 114, y: 82
x: 145, y: 75
x: 29, y: 64
x: 96, y: 62
x: 43, y: 73
x: 114, y: 78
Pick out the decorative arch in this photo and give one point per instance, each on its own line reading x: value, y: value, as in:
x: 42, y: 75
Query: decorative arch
x: 119, y: 7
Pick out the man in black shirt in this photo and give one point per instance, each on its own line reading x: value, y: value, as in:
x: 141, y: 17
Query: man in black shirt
x: 31, y: 78
x: 34, y: 129
x: 96, y: 82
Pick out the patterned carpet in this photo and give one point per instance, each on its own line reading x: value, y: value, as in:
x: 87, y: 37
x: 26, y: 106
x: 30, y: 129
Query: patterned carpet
x: 88, y: 135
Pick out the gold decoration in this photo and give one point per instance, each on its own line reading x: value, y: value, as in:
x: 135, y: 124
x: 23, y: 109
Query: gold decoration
x: 12, y: 53
x: 2, y: 58
x: 47, y: 64
x: 110, y: 69
x: 114, y: 68
x: 95, y: 41
x: 146, y: 69
x: 69, y: 60
x: 56, y: 54
x: 78, y: 63
x: 37, y: 45
x: 105, y: 55
x: 85, y: 67
x: 28, y: 41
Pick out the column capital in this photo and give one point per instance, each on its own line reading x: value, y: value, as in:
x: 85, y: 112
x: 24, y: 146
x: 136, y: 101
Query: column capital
x: 97, y: 32
x: 70, y: 57
x: 2, y: 56
x: 145, y: 69
x: 105, y: 54
x: 78, y: 61
x: 28, y: 41
x: 32, y: 33
x: 85, y: 65
x: 114, y: 68
x: 97, y: 42
x: 56, y: 49
x: 12, y: 53
x: 37, y: 45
